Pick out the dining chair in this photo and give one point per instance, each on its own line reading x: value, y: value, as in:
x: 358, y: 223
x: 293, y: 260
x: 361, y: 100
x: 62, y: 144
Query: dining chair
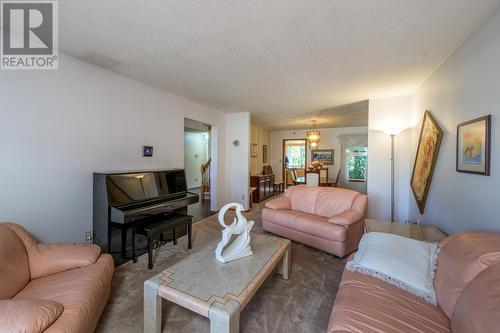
x: 312, y: 178
x: 291, y: 174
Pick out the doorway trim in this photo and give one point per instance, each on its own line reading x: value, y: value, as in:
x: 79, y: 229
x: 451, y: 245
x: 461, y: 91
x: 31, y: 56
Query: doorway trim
x: 283, y: 170
x: 213, y: 133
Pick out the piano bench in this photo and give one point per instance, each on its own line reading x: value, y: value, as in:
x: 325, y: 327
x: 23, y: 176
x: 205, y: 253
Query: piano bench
x: 151, y: 231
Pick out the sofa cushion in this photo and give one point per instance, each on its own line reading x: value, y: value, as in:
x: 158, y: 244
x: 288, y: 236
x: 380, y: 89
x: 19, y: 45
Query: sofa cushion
x: 367, y: 305
x: 318, y: 226
x: 462, y: 257
x: 285, y: 218
x: 478, y: 307
x: 303, y: 198
x: 332, y: 201
x: 28, y: 316
x: 14, y: 265
x: 322, y: 201
x: 307, y: 223
x: 83, y: 292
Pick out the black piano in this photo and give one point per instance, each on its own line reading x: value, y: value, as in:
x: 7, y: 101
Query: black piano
x: 126, y: 200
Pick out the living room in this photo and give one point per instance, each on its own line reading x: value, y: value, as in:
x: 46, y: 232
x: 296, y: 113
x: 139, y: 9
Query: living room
x: 339, y: 135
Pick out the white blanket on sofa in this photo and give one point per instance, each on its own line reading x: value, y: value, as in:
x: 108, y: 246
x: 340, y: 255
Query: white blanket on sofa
x: 404, y: 262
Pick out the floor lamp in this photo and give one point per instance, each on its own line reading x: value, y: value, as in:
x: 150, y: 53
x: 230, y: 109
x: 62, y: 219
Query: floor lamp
x: 392, y: 132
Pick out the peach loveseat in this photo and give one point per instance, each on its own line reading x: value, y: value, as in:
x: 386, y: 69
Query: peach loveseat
x: 467, y: 285
x: 327, y: 218
x: 50, y: 287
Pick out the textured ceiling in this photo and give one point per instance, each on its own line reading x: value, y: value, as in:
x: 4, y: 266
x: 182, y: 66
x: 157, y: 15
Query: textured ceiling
x: 281, y: 60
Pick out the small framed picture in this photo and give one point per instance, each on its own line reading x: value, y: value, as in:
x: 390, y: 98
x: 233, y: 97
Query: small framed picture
x: 473, y: 146
x: 147, y: 151
x: 264, y: 153
x: 253, y: 150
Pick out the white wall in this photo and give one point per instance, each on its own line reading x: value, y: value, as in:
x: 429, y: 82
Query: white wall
x: 58, y: 127
x: 384, y: 114
x: 260, y: 136
x: 195, y: 154
x: 465, y: 87
x: 328, y: 140
x: 238, y: 160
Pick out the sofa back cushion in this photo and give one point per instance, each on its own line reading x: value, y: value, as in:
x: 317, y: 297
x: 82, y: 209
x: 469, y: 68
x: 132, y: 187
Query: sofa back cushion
x: 462, y: 257
x: 14, y: 265
x: 321, y: 201
x: 478, y: 307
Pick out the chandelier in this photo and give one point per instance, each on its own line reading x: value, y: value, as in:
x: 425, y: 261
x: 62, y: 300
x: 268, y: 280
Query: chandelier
x: 313, y: 136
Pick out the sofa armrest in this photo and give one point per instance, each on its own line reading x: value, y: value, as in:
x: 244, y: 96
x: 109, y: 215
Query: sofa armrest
x: 46, y: 259
x: 280, y: 203
x: 346, y: 218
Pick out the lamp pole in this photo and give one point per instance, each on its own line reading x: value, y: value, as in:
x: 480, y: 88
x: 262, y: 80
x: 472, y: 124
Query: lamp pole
x: 392, y: 177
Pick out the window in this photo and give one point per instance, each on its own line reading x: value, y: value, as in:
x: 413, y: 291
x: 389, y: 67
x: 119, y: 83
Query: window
x: 356, y: 163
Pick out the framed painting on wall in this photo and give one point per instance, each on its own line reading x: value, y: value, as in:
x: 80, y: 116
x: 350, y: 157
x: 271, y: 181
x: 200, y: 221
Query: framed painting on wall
x: 425, y: 160
x: 473, y: 146
x: 264, y: 153
x: 325, y: 156
x: 253, y: 150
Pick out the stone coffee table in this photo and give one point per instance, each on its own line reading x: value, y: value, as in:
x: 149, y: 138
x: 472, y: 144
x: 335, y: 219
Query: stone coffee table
x: 212, y: 289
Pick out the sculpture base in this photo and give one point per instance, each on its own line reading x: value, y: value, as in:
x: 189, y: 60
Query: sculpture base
x: 240, y: 255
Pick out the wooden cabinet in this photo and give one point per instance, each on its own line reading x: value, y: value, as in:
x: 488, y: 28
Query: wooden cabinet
x: 264, y: 185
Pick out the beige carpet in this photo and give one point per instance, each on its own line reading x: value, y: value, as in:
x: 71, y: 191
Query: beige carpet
x: 301, y: 304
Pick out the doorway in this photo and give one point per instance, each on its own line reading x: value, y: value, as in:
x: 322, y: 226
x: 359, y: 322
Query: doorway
x: 198, y: 165
x: 294, y: 159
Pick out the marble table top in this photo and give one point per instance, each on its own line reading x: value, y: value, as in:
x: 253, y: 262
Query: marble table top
x: 200, y: 280
x: 419, y: 232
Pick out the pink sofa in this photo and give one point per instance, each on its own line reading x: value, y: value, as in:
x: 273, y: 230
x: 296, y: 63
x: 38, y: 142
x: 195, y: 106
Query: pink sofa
x: 328, y: 218
x: 467, y: 285
x: 50, y: 287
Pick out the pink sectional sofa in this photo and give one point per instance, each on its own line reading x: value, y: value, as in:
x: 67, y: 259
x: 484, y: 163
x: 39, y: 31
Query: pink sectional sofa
x: 50, y: 288
x: 467, y: 285
x: 327, y: 218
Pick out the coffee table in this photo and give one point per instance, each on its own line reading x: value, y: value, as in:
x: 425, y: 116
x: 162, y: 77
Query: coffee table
x: 212, y: 289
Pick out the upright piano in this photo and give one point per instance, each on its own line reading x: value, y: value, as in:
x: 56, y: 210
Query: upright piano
x: 125, y: 200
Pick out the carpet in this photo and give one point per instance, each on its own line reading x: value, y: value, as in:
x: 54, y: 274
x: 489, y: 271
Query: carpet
x: 301, y: 304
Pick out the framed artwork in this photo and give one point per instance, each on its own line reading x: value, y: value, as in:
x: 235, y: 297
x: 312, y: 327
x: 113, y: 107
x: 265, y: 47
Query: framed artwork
x: 264, y: 153
x: 147, y: 151
x: 425, y: 160
x: 473, y: 146
x: 325, y: 156
x: 253, y: 150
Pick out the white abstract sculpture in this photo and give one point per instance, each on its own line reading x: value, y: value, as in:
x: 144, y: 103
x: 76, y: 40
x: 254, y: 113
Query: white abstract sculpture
x: 240, y: 247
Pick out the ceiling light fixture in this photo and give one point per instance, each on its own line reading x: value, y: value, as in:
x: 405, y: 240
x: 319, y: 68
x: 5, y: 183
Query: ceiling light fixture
x: 313, y: 136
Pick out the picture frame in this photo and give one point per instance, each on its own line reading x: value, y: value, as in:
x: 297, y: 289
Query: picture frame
x: 428, y: 147
x: 253, y: 150
x: 325, y: 156
x: 147, y: 151
x: 474, y: 146
x: 264, y: 153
